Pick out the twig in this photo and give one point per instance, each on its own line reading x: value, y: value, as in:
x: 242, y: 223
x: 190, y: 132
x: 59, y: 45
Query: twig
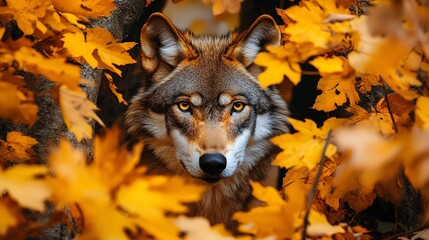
x: 407, y: 232
x: 310, y: 197
x: 388, y: 107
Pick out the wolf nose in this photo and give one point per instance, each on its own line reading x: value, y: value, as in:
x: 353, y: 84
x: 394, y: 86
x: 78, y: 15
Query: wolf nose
x: 212, y: 163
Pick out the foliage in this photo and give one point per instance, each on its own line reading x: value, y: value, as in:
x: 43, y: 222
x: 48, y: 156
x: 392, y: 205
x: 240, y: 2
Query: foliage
x: 357, y: 56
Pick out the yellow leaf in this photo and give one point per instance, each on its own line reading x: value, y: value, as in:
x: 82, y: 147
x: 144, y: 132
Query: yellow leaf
x: 150, y: 197
x: 111, y: 161
x: 277, y: 67
x: 313, y: 22
x: 89, y: 8
x: 73, y: 180
x: 98, y: 48
x: 76, y: 109
x: 328, y: 65
x: 22, y: 184
x: 304, y: 148
x: 422, y: 113
x: 27, y: 13
x: 336, y: 90
x: 8, y: 217
x: 105, y: 221
x: 16, y: 148
x: 17, y: 105
x: 55, y: 69
x: 319, y: 225
x: 113, y: 88
x: 278, y: 217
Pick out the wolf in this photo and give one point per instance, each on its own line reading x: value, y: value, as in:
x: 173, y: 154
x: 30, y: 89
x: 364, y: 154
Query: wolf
x: 201, y: 112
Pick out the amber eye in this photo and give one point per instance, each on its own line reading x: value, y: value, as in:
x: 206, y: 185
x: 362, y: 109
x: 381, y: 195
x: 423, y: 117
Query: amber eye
x: 184, y: 106
x: 238, y: 106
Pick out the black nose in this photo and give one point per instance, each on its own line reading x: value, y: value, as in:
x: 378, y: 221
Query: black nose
x: 212, y: 163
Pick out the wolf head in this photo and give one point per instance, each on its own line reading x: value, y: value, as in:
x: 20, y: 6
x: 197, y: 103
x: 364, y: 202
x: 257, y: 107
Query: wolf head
x: 202, y: 111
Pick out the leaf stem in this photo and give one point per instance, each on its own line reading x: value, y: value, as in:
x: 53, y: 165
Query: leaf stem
x: 311, y: 195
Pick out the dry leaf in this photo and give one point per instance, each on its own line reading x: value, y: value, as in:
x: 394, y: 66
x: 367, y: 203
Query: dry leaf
x: 77, y: 109
x: 16, y: 148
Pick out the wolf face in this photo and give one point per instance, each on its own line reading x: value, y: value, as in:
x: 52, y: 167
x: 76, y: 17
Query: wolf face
x: 202, y: 111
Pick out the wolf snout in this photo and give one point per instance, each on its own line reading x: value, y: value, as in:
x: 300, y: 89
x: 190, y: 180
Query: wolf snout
x: 212, y: 163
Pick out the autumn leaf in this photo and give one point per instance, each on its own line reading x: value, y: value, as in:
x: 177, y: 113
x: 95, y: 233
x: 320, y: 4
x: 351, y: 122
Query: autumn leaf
x: 27, y: 14
x: 277, y: 217
x: 114, y: 89
x: 17, y: 104
x: 100, y: 215
x: 89, y: 8
x: 55, y: 69
x: 99, y: 49
x: 337, y: 84
x: 76, y: 109
x: 149, y: 198
x: 312, y: 23
x: 16, y: 148
x: 319, y: 225
x: 22, y: 184
x: 112, y: 162
x: 304, y: 148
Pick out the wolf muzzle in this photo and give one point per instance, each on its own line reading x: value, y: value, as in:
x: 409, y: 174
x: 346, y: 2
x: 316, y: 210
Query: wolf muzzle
x: 212, y: 163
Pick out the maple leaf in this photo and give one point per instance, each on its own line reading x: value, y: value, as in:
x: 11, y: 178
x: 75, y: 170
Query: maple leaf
x: 314, y: 23
x: 112, y: 162
x: 22, y: 184
x: 27, y: 14
x: 89, y: 8
x: 74, y: 181
x: 283, y: 61
x: 114, y: 89
x: 16, y: 104
x: 8, y: 218
x: 16, y: 148
x: 277, y: 217
x: 100, y: 215
x: 337, y: 84
x: 76, y: 109
x: 150, y: 197
x: 55, y: 69
x: 319, y: 225
x: 304, y: 148
x: 98, y: 48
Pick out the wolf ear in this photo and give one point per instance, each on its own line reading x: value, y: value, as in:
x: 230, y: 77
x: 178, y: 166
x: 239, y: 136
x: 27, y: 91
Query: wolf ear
x: 262, y: 33
x: 161, y: 41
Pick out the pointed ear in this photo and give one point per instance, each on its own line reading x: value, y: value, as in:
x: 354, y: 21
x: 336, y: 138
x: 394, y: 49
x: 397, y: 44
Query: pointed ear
x: 262, y: 33
x: 161, y: 41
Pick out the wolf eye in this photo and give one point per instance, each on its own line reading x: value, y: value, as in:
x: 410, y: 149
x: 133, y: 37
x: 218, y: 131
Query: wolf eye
x: 184, y: 106
x: 238, y: 107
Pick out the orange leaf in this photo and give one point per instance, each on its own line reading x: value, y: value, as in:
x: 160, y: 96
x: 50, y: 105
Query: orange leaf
x: 16, y: 148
